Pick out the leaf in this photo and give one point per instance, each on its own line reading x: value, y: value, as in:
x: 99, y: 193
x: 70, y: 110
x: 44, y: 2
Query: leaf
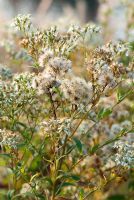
x: 21, y: 145
x: 116, y: 197
x: 78, y: 144
x: 41, y: 197
x: 66, y: 184
x: 120, y: 95
x: 10, y: 194
x: 104, y: 112
x: 35, y: 164
x: 94, y: 148
x: 5, y: 155
x: 81, y: 194
x: 75, y: 177
x: 131, y: 185
x: 70, y: 176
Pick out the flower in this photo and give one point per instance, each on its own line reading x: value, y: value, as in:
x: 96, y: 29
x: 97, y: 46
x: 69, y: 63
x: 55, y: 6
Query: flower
x: 77, y: 90
x: 52, y: 74
x: 45, y: 81
x: 60, y: 65
x: 45, y: 56
x: 115, y: 129
x: 126, y: 124
x: 9, y: 138
x: 125, y: 154
x: 104, y: 68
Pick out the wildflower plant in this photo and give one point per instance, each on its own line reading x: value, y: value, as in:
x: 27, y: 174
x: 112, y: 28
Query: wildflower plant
x: 59, y: 133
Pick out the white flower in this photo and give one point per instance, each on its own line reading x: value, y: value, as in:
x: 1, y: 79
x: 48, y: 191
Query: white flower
x: 46, y: 80
x: 77, y: 90
x: 125, y: 154
x: 56, y: 126
x: 122, y: 113
x: 60, y: 65
x: 115, y: 129
x: 45, y: 56
x: 9, y: 138
x: 126, y: 124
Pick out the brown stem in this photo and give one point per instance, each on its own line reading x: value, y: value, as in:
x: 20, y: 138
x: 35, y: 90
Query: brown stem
x: 53, y: 106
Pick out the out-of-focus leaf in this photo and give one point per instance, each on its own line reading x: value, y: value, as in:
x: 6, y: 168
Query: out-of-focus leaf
x: 94, y: 148
x: 104, y: 112
x: 78, y: 144
x: 5, y: 155
x: 75, y: 177
x: 67, y: 184
x: 121, y: 94
x: 116, y: 197
x: 35, y: 163
x: 71, y: 176
x: 41, y: 197
x: 131, y: 185
x: 81, y: 194
x: 10, y: 194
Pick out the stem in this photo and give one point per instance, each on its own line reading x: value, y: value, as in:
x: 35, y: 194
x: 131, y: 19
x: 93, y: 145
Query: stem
x: 53, y: 106
x: 83, y: 118
x: 63, y: 152
x: 59, y: 166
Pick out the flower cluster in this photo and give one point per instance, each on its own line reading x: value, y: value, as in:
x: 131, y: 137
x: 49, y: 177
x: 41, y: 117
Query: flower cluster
x: 77, y: 90
x: 53, y: 73
x: 125, y: 154
x: 5, y: 73
x: 10, y: 138
x: 46, y: 55
x: 103, y: 67
x: 117, y: 128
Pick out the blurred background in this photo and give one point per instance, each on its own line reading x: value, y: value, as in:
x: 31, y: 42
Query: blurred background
x: 111, y: 14
x: 85, y: 10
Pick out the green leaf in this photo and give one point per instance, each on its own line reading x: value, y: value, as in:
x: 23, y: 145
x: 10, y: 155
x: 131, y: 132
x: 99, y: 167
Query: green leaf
x: 75, y: 177
x: 116, y: 197
x: 104, y: 112
x: 66, y: 184
x: 41, y: 197
x: 10, y: 194
x: 70, y: 176
x: 120, y: 95
x: 35, y: 164
x: 131, y: 185
x: 81, y: 194
x: 94, y: 148
x: 78, y: 144
x: 6, y: 155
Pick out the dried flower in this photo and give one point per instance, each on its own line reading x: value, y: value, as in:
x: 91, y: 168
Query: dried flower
x: 60, y: 65
x: 77, y: 90
x: 45, y: 57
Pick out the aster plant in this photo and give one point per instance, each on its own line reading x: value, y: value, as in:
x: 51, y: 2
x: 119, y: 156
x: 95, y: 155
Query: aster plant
x: 65, y: 136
